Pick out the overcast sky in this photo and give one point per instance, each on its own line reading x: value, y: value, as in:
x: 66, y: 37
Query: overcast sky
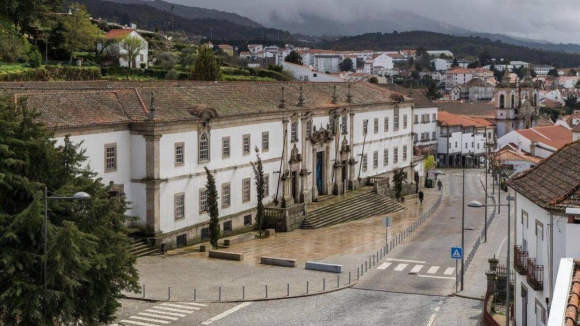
x: 552, y: 20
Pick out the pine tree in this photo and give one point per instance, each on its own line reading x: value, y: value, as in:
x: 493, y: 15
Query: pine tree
x: 259, y: 175
x: 212, y: 205
x: 206, y: 66
x: 88, y: 259
x: 432, y: 92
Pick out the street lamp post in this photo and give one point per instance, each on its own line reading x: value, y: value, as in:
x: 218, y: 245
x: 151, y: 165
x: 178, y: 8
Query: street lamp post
x: 509, y: 199
x: 76, y: 196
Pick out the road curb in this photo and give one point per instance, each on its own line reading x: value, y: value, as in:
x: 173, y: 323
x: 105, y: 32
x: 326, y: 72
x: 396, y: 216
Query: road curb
x: 455, y: 294
x: 248, y: 300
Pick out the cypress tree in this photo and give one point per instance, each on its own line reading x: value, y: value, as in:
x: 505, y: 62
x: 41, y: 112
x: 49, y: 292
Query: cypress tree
x: 212, y: 205
x: 259, y: 175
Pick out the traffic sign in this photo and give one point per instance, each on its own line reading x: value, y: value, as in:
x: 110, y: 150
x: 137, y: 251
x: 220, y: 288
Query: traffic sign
x: 387, y: 221
x: 456, y: 252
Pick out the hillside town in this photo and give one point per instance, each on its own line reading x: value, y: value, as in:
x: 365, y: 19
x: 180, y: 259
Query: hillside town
x: 150, y: 177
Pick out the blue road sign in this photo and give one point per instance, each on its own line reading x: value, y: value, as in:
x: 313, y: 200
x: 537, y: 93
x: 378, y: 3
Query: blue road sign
x: 456, y: 252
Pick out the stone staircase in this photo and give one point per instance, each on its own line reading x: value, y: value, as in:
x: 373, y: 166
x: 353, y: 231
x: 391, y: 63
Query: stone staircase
x: 361, y: 206
x: 140, y: 247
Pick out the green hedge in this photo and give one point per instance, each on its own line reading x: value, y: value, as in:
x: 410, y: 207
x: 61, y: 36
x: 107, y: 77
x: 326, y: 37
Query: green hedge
x: 154, y: 73
x: 50, y: 73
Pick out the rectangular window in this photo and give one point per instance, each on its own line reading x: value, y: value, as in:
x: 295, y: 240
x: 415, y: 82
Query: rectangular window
x: 179, y: 157
x: 404, y: 153
x: 227, y: 226
x: 364, y: 162
x: 308, y: 128
x: 404, y: 121
x: 386, y: 124
x: 331, y: 124
x: 203, y: 148
x: 226, y: 197
x: 204, y: 233
x: 434, y: 117
x: 247, y: 220
x: 365, y: 126
x: 465, y: 145
x: 455, y: 144
x: 396, y: 155
x: 416, y: 118
x: 246, y: 140
x: 225, y: 147
x: 179, y: 205
x: 344, y: 125
x: 202, y: 200
x: 110, y: 157
x: 433, y: 135
x: 386, y: 157
x: 246, y: 190
x: 375, y: 159
x: 376, y: 126
x: 266, y: 185
x: 181, y: 240
x: 265, y: 141
x: 396, y: 120
x: 294, y: 131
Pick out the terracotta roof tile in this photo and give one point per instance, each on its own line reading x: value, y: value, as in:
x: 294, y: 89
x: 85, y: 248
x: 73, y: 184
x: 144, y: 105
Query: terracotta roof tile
x: 509, y: 154
x: 468, y: 109
x: 554, y: 136
x: 555, y: 182
x: 118, y: 33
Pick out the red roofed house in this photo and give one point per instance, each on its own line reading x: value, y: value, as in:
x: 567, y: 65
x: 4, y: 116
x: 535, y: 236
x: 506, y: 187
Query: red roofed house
x: 538, y: 141
x: 115, y: 45
x: 227, y: 49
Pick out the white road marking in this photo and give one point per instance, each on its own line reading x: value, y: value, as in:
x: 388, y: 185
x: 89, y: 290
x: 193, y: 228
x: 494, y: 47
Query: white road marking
x: 187, y: 308
x: 416, y: 269
x: 165, y: 313
x: 441, y: 277
x: 173, y: 309
x: 194, y: 304
x: 400, y: 267
x: 433, y: 270
x: 449, y: 271
x: 150, y: 319
x: 227, y: 312
x: 125, y: 321
x: 431, y: 320
x: 407, y: 261
x: 157, y: 316
x: 384, y: 266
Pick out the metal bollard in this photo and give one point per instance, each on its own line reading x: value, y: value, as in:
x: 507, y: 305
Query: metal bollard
x: 370, y: 266
x: 220, y: 294
x: 288, y: 289
x: 381, y: 252
x: 143, y: 290
x: 266, y: 291
x: 373, y: 260
x: 323, y: 284
x: 349, y: 278
x: 366, y: 266
x: 338, y: 281
x: 357, y: 273
x: 362, y: 271
x: 243, y: 292
x: 306, y: 287
x: 169, y: 293
x: 194, y: 294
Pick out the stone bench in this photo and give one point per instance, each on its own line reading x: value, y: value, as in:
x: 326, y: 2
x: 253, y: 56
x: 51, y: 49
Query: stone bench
x: 333, y: 268
x: 237, y: 240
x: 284, y: 262
x: 226, y: 255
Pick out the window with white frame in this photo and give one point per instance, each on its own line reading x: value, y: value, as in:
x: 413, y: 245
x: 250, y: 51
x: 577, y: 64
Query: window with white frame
x: 294, y: 131
x: 179, y: 206
x: 434, y: 135
x: 331, y: 123
x: 375, y: 159
x: 376, y: 126
x: 344, y: 125
x: 308, y: 128
x: 404, y: 121
x: 110, y: 157
x: 202, y: 200
x: 364, y: 162
x: 225, y: 147
x: 246, y: 190
x: 396, y: 119
x: 265, y: 141
x: 179, y: 157
x: 386, y: 124
x: 203, y: 148
x: 266, y: 185
x: 246, y: 144
x: 396, y: 155
x: 226, y: 195
x: 404, y: 153
x: 386, y: 157
x: 416, y: 118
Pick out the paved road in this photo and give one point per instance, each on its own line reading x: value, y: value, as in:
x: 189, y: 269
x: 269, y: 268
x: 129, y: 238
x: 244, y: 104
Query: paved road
x: 412, y: 286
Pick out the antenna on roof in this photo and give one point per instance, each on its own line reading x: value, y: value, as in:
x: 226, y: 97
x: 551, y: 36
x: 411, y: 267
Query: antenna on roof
x: 334, y: 98
x: 301, y: 98
x: 281, y: 105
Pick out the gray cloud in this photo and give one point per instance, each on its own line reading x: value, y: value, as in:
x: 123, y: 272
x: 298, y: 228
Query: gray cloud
x: 553, y: 20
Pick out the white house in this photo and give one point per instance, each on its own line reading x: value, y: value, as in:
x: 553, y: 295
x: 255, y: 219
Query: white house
x: 441, y: 64
x: 544, y: 233
x: 117, y: 37
x: 542, y: 70
x: 537, y: 141
x: 309, y: 74
x: 327, y: 63
x: 255, y: 48
x: 152, y: 142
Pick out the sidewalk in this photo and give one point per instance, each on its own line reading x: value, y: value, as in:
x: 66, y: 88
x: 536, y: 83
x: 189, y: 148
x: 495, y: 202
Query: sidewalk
x: 186, y: 274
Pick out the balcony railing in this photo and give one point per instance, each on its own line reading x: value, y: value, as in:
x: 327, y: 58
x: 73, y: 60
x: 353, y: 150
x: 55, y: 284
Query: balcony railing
x: 535, y: 275
x: 520, y: 260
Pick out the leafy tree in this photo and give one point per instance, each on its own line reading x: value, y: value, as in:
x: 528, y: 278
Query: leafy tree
x: 212, y: 207
x: 572, y: 72
x: 473, y: 64
x: 346, y: 65
x: 571, y: 101
x: 455, y: 63
x: 398, y: 178
x: 294, y: 57
x: 89, y: 264
x: 577, y: 84
x: 26, y: 13
x: 34, y: 58
x: 415, y: 75
x: 373, y: 80
x: 259, y: 175
x: 277, y: 68
x: 206, y: 66
x: 165, y: 60
x: 79, y: 33
x: 485, y: 59
x: 533, y: 73
x: 553, y: 72
x: 433, y: 92
x: 187, y: 56
x: 172, y: 75
x: 13, y: 47
x: 132, y: 46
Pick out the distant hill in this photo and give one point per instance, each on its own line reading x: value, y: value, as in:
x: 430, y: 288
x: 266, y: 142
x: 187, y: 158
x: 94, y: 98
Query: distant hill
x: 310, y: 24
x: 148, y: 17
x: 530, y: 43
x: 459, y: 45
x: 194, y: 12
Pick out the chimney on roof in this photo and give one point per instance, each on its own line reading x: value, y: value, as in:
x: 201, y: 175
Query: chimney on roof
x: 533, y: 145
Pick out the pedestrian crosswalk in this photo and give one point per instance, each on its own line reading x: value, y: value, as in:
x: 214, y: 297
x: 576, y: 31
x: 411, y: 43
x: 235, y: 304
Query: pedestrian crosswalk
x: 417, y: 268
x: 166, y: 313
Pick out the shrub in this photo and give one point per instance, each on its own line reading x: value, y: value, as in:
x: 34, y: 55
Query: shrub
x: 143, y: 65
x: 172, y: 75
x: 34, y: 58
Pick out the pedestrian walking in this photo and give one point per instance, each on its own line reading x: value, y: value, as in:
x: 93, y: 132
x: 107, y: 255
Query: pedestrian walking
x: 439, y: 184
x: 421, y: 196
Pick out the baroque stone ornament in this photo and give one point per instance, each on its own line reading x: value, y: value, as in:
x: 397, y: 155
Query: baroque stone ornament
x: 321, y: 136
x: 295, y: 157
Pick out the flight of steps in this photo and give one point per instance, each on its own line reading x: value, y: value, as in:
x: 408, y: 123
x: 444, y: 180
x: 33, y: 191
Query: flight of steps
x: 140, y: 247
x: 359, y: 207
